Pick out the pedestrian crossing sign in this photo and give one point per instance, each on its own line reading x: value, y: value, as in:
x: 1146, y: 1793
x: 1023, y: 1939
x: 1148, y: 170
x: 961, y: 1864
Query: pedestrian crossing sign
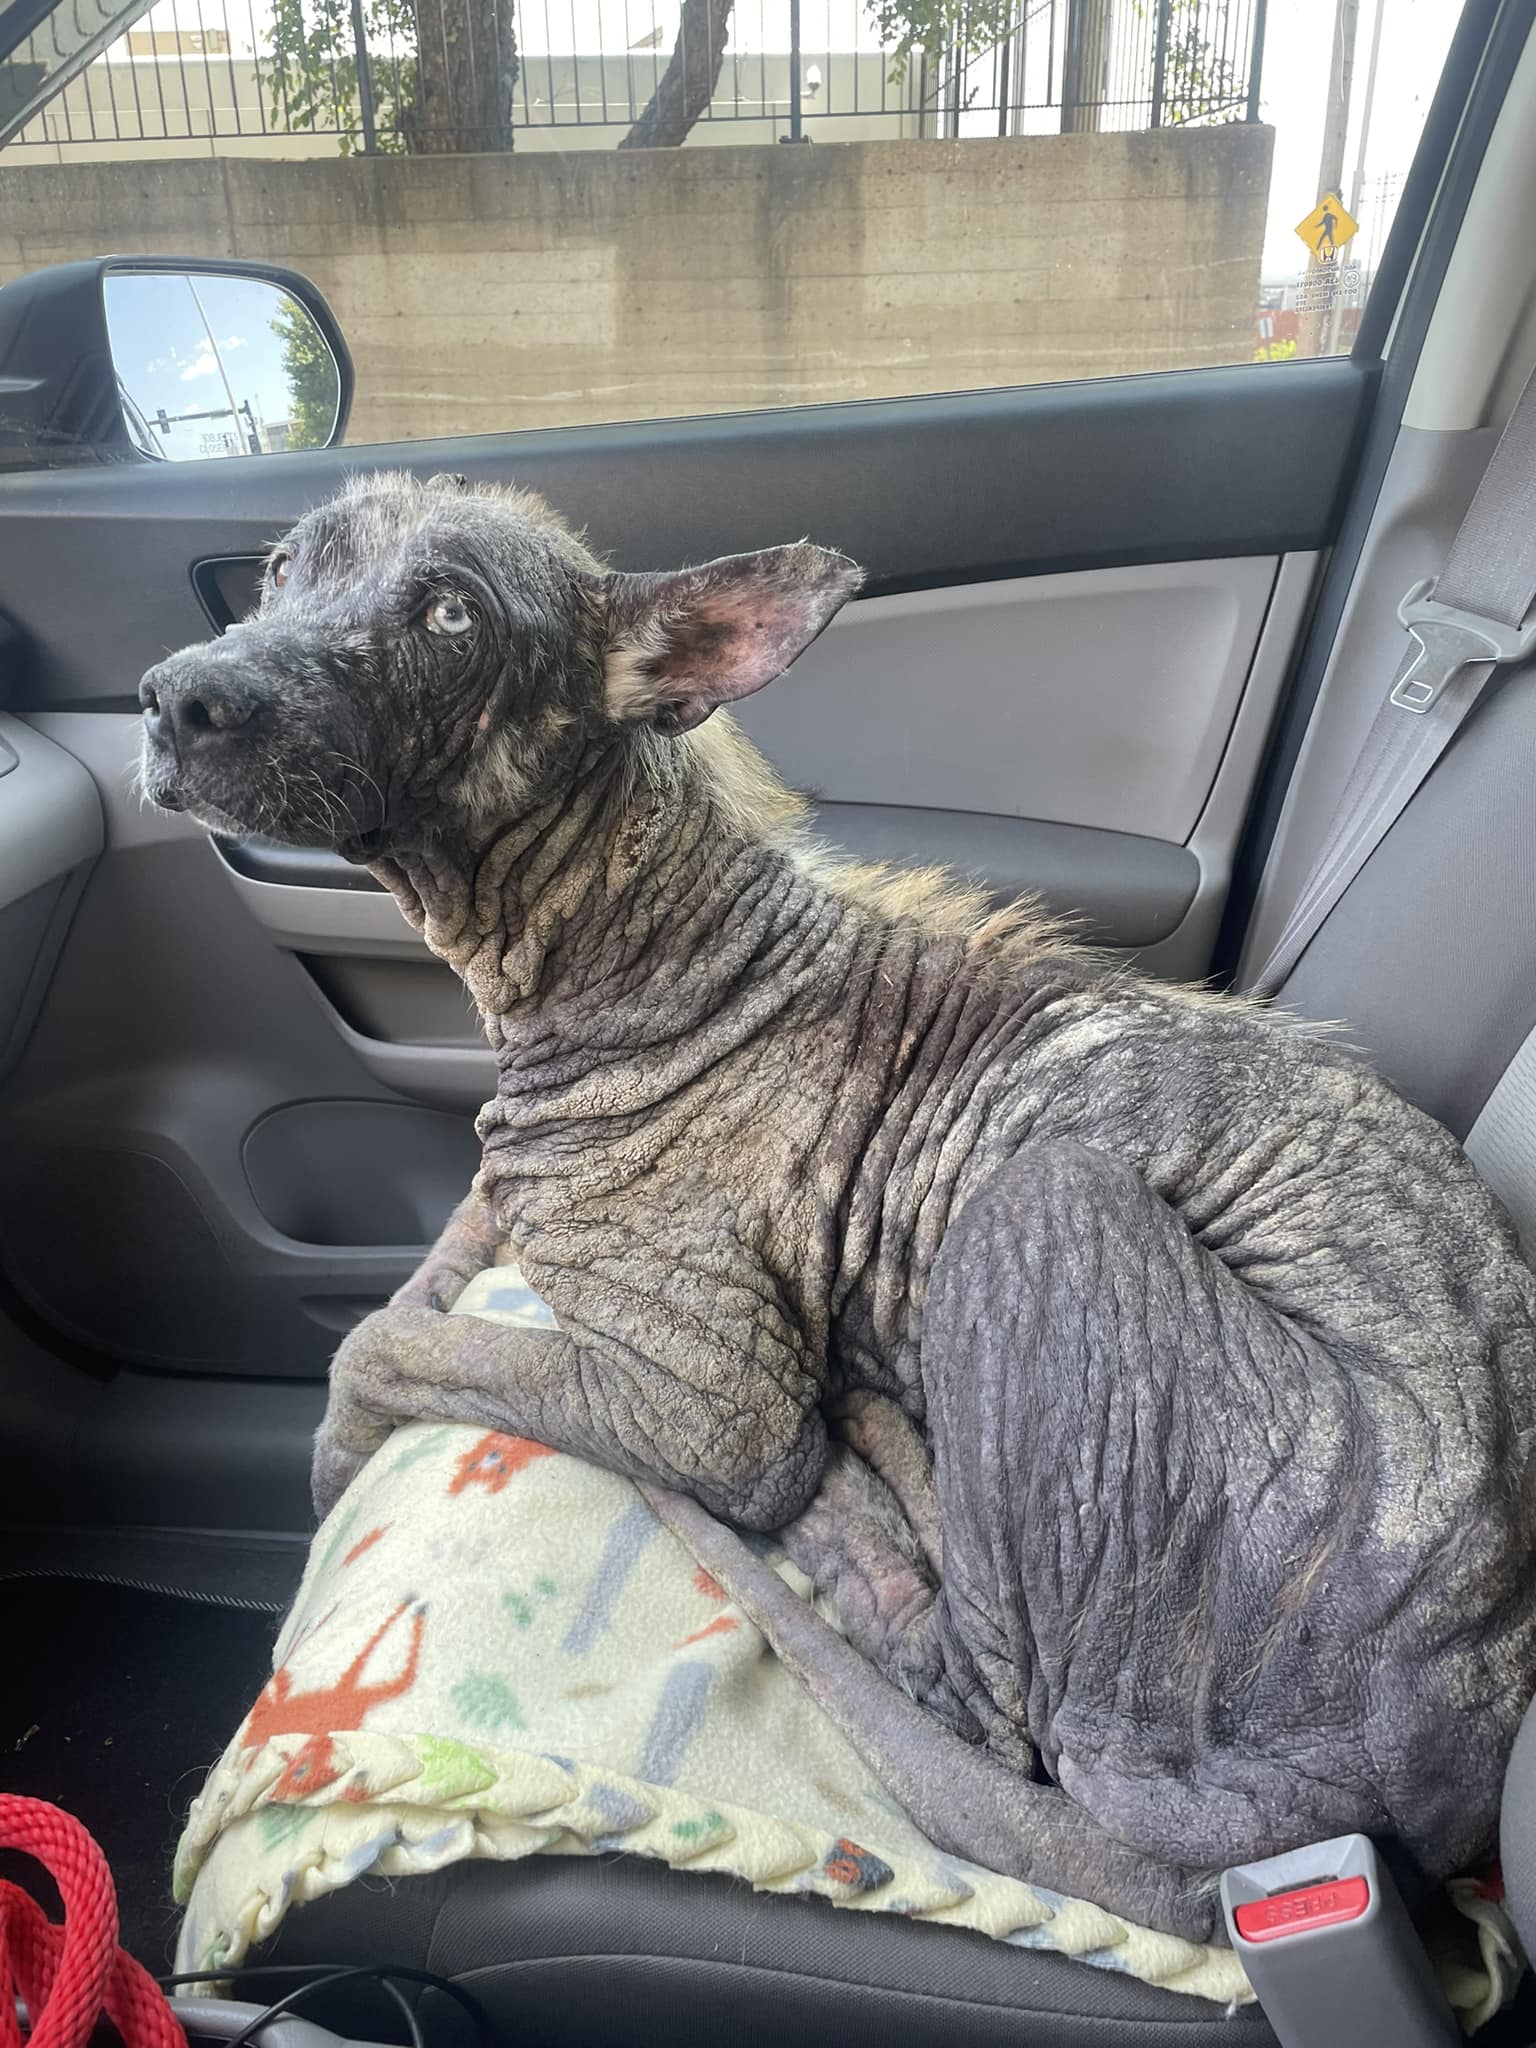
x: 1327, y: 228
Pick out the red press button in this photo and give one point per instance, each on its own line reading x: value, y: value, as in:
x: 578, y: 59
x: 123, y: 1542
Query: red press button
x: 1315, y: 1905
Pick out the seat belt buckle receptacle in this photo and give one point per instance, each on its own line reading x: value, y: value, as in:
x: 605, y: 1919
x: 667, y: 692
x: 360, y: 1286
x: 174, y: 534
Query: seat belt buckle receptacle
x: 1449, y: 640
x: 1331, y: 1954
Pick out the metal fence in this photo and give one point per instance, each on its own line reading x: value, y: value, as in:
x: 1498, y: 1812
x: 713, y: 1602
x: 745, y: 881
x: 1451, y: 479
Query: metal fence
x: 287, y: 77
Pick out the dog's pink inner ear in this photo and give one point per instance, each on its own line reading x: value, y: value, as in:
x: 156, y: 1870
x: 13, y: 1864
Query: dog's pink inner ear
x: 682, y: 645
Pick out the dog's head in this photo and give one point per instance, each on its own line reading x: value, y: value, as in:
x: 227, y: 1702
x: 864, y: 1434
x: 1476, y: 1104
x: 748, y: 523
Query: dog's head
x: 425, y: 656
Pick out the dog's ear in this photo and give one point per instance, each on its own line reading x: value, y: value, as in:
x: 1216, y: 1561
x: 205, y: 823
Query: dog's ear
x: 681, y: 645
x: 445, y: 480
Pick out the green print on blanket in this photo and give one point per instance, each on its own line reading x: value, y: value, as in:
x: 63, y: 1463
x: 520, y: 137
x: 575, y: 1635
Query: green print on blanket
x: 695, y: 1832
x: 522, y: 1607
x: 451, y: 1770
x: 422, y: 1448
x: 486, y: 1701
x: 278, y: 1824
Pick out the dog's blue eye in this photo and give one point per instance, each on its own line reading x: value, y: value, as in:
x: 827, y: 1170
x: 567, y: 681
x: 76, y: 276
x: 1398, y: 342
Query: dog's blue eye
x: 449, y: 614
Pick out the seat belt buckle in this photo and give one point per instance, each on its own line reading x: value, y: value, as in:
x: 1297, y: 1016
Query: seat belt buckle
x: 1332, y: 1956
x: 1449, y: 639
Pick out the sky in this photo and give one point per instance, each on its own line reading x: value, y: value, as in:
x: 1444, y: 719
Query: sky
x: 161, y: 347
x: 1414, y: 39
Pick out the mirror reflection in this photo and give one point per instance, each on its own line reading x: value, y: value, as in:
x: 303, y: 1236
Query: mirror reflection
x: 209, y: 366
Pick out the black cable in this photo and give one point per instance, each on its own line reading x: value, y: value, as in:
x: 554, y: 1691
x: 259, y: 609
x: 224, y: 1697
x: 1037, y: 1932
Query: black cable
x: 286, y: 2005
x: 381, y: 1974
x: 407, y: 2010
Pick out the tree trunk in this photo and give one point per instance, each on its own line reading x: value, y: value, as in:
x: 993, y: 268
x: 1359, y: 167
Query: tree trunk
x: 688, y: 83
x: 466, y: 72
x: 1084, y: 67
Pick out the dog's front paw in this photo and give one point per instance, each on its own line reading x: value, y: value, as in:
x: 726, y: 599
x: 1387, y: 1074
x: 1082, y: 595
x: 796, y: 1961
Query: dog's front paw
x: 334, y: 1467
x: 344, y: 1443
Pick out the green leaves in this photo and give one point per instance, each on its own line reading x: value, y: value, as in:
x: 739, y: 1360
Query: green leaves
x: 310, y: 370
x: 310, y: 71
x: 940, y: 27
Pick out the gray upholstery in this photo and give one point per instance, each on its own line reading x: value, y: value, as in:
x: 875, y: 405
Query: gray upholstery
x: 571, y: 1951
x: 1517, y: 1833
x: 1428, y: 958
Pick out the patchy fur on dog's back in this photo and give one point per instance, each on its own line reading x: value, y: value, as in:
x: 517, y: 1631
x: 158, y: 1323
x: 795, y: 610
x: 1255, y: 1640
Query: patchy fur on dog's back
x: 1187, y: 1376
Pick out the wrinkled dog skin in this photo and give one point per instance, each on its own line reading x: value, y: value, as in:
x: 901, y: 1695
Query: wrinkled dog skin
x: 1222, y: 1355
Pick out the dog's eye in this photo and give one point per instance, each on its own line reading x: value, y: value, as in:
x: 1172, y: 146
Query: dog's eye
x: 278, y: 570
x: 449, y: 614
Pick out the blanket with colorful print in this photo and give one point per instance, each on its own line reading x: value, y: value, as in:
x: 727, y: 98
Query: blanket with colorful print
x: 498, y: 1651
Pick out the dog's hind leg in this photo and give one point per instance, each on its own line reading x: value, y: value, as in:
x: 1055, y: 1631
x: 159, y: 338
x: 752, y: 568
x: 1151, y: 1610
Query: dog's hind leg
x: 1150, y: 1481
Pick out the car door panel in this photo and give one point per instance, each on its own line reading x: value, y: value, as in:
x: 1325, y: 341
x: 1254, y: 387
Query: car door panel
x: 50, y: 833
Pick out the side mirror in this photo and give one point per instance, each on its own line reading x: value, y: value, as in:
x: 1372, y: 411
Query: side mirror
x: 167, y: 359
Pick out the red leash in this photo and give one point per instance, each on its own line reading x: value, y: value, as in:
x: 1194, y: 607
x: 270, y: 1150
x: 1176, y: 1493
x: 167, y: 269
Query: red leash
x: 68, y: 1976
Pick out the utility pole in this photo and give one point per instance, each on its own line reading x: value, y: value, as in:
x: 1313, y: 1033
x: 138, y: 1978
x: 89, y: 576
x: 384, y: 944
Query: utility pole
x: 1357, y: 186
x: 1330, y: 175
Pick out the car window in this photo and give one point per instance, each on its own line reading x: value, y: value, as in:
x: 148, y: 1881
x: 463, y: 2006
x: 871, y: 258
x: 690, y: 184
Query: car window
x: 558, y: 212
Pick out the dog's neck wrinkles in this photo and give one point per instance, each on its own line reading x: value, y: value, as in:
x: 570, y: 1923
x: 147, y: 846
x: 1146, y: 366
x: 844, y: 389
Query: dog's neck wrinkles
x: 621, y: 938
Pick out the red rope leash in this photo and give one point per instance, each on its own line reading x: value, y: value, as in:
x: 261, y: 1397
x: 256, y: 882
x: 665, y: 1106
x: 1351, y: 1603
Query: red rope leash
x: 68, y: 1976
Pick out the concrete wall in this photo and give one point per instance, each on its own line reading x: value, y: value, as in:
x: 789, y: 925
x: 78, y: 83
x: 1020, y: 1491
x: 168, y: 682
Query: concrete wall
x: 484, y: 293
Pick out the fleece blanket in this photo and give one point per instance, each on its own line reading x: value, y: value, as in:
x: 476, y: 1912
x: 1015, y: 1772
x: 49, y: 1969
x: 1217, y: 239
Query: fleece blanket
x: 499, y: 1651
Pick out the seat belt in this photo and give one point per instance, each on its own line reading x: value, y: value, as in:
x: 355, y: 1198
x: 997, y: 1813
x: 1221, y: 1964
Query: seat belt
x: 1478, y: 616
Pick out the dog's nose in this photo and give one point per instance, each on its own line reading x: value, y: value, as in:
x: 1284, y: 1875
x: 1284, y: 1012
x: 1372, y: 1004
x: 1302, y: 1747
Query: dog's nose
x: 185, y: 703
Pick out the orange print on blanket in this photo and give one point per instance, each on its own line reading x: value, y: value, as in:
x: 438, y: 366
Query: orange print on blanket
x: 722, y: 1625
x: 364, y: 1543
x: 328, y: 1709
x: 494, y: 1460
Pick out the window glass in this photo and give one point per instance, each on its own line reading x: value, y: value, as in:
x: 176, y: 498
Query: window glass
x: 550, y: 212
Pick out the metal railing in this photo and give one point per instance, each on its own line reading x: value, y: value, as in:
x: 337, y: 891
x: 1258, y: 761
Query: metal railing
x: 289, y: 77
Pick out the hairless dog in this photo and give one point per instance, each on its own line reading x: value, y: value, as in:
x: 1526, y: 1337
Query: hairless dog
x: 1150, y: 1390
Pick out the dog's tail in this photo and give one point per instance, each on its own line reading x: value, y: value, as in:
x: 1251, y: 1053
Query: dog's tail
x: 961, y: 1798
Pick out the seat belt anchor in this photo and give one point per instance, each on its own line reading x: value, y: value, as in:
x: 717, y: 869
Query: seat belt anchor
x: 1334, y: 1960
x: 1449, y: 640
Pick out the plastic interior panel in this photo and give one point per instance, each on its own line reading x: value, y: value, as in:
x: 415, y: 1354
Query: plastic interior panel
x: 1098, y: 699
x: 330, y: 1173
x: 1187, y: 954
x: 25, y: 925
x: 1130, y: 891
x: 50, y: 814
x: 402, y: 1002
x: 924, y: 492
x: 127, y: 1222
x: 50, y: 833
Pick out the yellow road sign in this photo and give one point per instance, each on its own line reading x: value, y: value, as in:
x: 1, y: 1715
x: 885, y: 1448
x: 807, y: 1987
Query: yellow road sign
x: 1327, y: 228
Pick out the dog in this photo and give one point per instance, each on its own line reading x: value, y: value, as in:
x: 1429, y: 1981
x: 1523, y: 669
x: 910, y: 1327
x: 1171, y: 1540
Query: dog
x: 1151, y: 1390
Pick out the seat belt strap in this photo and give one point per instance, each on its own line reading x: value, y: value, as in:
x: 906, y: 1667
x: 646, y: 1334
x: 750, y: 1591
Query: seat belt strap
x: 1502, y: 1143
x: 1478, y: 616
